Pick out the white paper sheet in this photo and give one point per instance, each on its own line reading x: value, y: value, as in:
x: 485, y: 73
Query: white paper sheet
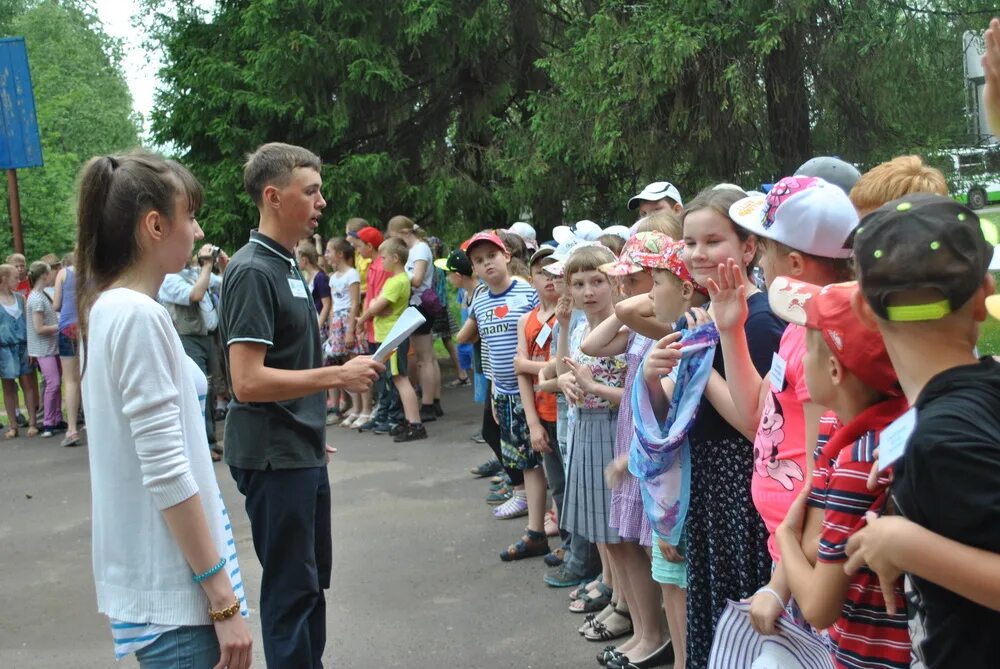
x: 408, y: 321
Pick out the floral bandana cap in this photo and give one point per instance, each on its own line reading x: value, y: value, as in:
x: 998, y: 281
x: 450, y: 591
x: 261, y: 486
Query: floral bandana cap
x: 658, y: 251
x: 780, y: 192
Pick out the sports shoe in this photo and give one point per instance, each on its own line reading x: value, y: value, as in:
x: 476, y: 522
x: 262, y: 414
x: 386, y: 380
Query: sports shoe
x: 382, y: 428
x: 398, y: 428
x: 369, y: 426
x: 478, y: 437
x: 499, y: 478
x: 499, y: 496
x: 515, y: 507
x: 438, y: 411
x: 562, y: 577
x: 427, y: 413
x: 412, y: 433
x: 488, y: 468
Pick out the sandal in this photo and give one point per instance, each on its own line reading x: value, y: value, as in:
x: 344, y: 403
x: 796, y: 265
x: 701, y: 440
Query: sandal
x: 11, y: 433
x: 32, y: 431
x: 618, y: 624
x: 532, y: 544
x: 458, y: 383
x: 590, y: 604
x: 582, y: 590
x: 595, y: 617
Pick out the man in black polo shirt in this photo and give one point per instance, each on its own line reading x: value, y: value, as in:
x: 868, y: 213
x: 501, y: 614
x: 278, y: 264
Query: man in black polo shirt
x: 276, y: 427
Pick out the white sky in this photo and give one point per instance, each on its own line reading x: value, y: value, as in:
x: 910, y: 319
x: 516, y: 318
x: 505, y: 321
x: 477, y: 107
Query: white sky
x: 140, y: 65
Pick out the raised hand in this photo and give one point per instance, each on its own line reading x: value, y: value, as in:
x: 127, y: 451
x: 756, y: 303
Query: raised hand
x: 564, y: 310
x: 728, y: 297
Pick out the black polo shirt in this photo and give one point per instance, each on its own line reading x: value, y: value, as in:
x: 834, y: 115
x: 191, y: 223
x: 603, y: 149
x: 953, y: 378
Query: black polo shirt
x: 266, y: 301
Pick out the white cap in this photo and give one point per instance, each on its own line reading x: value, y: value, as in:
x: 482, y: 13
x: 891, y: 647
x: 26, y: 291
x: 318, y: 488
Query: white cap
x: 619, y: 231
x: 523, y: 230
x: 586, y: 230
x: 655, y: 192
x: 807, y: 214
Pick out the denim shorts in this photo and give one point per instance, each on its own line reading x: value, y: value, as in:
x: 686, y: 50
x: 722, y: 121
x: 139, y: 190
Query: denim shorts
x: 191, y: 647
x: 68, y: 347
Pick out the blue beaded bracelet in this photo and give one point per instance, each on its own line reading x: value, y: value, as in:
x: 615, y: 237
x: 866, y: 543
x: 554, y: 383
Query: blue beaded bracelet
x: 198, y: 578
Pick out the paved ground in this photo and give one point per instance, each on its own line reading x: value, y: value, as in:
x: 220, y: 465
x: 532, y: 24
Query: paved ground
x: 417, y: 580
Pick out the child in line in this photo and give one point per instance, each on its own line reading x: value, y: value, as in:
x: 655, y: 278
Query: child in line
x: 595, y: 391
x: 804, y: 226
x: 360, y: 261
x: 726, y: 547
x: 385, y: 311
x: 493, y: 317
x: 43, y: 344
x: 923, y: 268
x: 847, y: 370
x: 342, y: 342
x: 15, y: 367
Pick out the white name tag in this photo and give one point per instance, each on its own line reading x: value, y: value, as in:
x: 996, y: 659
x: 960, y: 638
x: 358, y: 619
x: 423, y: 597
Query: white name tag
x: 893, y: 439
x: 543, y: 335
x: 517, y: 302
x: 297, y: 287
x: 777, y: 374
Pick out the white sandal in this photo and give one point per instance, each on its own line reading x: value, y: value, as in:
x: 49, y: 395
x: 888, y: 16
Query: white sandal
x: 360, y: 420
x: 349, y: 420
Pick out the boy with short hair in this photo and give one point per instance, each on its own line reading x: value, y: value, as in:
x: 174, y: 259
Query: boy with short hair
x: 494, y: 315
x: 385, y: 310
x: 923, y: 264
x: 848, y: 371
x: 893, y: 179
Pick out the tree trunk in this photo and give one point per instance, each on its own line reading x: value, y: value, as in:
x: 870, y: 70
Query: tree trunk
x: 788, y: 102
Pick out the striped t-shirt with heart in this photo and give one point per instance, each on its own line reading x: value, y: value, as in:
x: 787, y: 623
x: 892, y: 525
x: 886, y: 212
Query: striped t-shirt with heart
x: 496, y: 316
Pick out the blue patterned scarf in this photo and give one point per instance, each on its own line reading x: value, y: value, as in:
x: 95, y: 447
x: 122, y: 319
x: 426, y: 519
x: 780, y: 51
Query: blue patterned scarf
x: 660, y: 455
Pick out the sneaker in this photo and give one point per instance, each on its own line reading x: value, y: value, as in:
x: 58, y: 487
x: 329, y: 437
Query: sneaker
x: 478, y: 437
x: 532, y: 544
x: 369, y: 426
x: 562, y: 577
x: 488, y: 468
x: 499, y: 478
x: 398, y: 428
x: 413, y: 433
x: 515, y: 507
x: 47, y: 432
x: 504, y: 483
x: 499, y: 496
x: 333, y: 419
x: 556, y: 557
x: 438, y: 411
x: 427, y: 413
x: 382, y: 428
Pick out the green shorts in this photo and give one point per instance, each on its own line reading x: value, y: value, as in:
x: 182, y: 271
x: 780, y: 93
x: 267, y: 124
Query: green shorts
x: 666, y: 572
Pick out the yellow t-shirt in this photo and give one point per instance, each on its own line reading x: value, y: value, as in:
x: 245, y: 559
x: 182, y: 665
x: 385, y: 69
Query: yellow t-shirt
x: 361, y: 264
x: 397, y: 291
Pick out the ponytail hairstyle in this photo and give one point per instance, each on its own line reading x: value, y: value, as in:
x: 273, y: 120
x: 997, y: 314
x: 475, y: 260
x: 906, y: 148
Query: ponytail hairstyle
x: 116, y: 192
x: 343, y: 248
x: 37, y: 271
x: 719, y: 199
x: 308, y: 251
x: 398, y: 224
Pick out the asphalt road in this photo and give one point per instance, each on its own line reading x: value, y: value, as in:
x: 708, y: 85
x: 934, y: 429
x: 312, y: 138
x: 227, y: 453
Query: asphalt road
x: 417, y: 578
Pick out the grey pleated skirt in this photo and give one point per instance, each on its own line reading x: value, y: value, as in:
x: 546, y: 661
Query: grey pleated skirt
x: 587, y: 497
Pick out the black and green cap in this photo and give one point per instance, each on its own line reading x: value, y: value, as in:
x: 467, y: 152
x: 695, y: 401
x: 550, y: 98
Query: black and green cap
x: 920, y: 241
x: 456, y: 261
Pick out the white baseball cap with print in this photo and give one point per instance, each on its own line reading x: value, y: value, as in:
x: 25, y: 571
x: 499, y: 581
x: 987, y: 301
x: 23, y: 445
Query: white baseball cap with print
x: 807, y: 214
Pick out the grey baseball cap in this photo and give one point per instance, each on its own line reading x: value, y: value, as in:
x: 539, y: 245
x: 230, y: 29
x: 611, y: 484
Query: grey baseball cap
x: 833, y: 170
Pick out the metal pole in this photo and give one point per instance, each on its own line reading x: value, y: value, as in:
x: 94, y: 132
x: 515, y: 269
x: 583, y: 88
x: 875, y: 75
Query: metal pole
x: 15, y: 211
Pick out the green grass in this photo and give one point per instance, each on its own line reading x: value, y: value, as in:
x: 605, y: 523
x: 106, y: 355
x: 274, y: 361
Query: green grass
x: 989, y: 337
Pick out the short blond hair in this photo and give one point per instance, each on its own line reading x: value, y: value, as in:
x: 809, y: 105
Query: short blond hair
x: 665, y: 221
x: 8, y: 270
x: 893, y: 179
x: 588, y: 259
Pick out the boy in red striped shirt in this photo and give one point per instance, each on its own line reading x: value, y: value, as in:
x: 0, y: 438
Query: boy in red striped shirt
x: 847, y: 370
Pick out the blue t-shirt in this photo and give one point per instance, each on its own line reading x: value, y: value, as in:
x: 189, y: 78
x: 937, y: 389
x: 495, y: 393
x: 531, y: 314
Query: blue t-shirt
x: 496, y: 316
x: 763, y: 330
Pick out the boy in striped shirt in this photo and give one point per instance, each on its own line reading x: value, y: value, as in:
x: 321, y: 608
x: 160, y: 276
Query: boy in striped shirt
x: 493, y: 316
x: 848, y: 371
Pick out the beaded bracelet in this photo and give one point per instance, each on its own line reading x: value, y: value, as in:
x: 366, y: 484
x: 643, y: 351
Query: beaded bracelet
x: 198, y: 578
x: 225, y: 613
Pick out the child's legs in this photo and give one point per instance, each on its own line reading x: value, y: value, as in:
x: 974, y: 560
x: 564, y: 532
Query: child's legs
x: 408, y: 396
x: 71, y: 381
x: 675, y: 606
x: 10, y: 402
x: 643, y: 598
x: 53, y: 394
x: 609, y: 577
x: 535, y: 487
x: 29, y: 386
x: 449, y: 345
x: 423, y: 346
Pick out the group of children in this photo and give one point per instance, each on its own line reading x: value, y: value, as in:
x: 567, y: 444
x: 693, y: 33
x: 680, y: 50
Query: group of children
x: 707, y: 404
x: 38, y: 334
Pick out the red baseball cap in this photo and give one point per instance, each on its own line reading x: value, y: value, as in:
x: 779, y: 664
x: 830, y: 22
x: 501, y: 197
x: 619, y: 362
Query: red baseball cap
x: 369, y: 235
x: 828, y: 309
x: 484, y: 236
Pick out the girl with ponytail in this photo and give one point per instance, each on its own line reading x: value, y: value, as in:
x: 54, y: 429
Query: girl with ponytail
x: 165, y: 568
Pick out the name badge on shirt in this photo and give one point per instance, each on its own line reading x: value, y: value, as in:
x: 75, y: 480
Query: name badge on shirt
x: 517, y: 302
x: 893, y: 440
x: 543, y: 335
x: 297, y: 287
x: 777, y: 373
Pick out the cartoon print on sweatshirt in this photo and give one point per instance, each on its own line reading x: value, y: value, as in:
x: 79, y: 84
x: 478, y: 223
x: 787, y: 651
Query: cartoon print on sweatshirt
x: 770, y: 436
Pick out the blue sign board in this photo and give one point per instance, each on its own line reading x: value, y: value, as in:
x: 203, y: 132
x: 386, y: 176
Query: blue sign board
x: 20, y: 145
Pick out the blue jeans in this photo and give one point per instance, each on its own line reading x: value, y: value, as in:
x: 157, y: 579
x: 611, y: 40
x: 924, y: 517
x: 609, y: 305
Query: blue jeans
x: 194, y: 647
